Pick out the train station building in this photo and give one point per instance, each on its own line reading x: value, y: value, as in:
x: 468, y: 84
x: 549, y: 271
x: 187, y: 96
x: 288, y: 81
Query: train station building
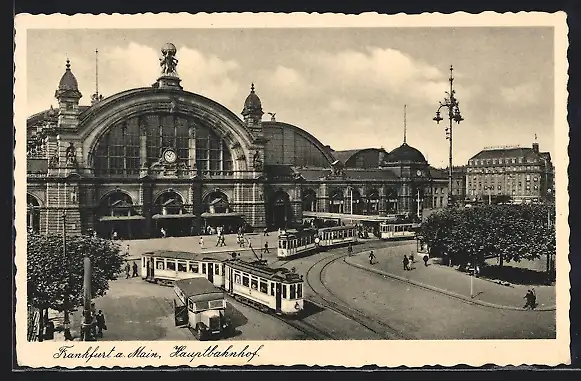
x: 163, y: 157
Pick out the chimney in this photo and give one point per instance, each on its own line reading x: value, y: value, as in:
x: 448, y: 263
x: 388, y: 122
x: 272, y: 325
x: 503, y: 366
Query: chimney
x: 536, y: 147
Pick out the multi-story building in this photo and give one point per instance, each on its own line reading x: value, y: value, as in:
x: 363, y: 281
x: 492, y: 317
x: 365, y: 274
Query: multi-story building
x: 161, y: 156
x: 520, y: 174
x: 440, y: 186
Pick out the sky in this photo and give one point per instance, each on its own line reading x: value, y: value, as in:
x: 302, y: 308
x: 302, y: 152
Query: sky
x: 345, y: 86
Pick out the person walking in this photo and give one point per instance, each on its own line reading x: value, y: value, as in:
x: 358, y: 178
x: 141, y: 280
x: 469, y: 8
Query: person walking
x: 406, y: 263
x: 265, y: 250
x: 134, y: 270
x: 371, y: 257
x: 100, y: 323
x: 127, y: 270
x: 201, y: 242
x: 266, y: 232
x: 533, y: 299
x: 529, y: 300
x: 218, y: 239
x: 426, y: 260
x: 163, y: 233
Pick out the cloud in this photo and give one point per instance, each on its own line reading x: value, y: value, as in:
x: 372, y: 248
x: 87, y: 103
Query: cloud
x: 206, y: 75
x: 524, y: 94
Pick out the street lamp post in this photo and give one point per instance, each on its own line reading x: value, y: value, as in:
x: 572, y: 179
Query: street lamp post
x: 67, y: 320
x: 452, y: 104
x: 418, y: 200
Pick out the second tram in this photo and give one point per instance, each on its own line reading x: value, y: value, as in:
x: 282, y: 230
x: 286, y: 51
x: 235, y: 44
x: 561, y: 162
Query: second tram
x: 397, y: 231
x: 296, y: 243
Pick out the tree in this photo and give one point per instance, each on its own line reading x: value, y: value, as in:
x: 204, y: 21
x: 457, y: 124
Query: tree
x: 55, y: 280
x: 509, y: 232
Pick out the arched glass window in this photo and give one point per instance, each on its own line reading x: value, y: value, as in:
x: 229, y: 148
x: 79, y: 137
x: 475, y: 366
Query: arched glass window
x: 33, y: 214
x: 118, y: 151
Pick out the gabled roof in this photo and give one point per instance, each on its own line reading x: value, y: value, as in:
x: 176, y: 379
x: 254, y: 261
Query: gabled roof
x: 343, y: 156
x: 523, y: 152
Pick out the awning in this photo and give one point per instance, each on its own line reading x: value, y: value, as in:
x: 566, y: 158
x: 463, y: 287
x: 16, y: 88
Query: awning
x: 170, y: 216
x: 121, y: 218
x: 214, y: 215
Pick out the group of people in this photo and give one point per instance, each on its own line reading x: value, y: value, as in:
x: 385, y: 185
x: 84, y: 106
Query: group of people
x: 128, y: 268
x: 97, y: 323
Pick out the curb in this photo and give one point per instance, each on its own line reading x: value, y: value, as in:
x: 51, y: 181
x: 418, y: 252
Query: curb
x: 442, y: 291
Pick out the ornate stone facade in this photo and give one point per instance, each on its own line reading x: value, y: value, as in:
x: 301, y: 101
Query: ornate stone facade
x: 163, y: 157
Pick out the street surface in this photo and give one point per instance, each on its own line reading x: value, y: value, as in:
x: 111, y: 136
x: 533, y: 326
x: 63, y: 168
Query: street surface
x: 343, y: 301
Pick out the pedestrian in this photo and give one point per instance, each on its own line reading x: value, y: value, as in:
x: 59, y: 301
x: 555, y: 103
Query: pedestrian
x: 100, y: 323
x: 426, y: 260
x: 127, y: 270
x: 266, y: 232
x: 406, y: 263
x: 218, y: 239
x: 163, y: 233
x: 529, y: 300
x: 371, y: 257
x: 135, y: 269
x: 266, y: 248
x: 201, y: 242
x: 533, y: 299
x: 114, y: 235
x: 412, y: 259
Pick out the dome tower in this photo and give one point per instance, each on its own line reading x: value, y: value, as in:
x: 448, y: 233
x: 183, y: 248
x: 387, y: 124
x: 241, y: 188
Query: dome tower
x: 252, y: 111
x: 68, y: 96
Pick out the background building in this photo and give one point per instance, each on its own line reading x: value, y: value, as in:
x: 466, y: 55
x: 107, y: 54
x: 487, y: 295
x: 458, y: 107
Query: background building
x: 162, y: 157
x: 519, y: 173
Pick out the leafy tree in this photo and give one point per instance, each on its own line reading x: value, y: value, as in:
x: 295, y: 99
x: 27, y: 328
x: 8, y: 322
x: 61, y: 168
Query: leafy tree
x: 55, y: 280
x: 509, y: 232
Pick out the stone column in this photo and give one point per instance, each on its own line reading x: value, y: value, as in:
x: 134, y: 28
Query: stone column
x: 196, y: 189
x: 192, y: 147
x: 143, y: 143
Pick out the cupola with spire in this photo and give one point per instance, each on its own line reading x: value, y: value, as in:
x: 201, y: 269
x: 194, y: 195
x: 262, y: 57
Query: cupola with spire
x: 68, y: 96
x: 252, y: 111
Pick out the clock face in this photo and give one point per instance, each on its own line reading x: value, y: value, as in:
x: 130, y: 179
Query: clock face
x: 169, y: 156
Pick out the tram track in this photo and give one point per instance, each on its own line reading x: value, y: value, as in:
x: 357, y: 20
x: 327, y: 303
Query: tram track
x: 332, y: 301
x: 308, y: 329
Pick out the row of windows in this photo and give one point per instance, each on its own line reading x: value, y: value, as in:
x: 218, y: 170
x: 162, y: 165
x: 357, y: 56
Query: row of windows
x: 182, y: 266
x: 346, y: 233
x: 504, y: 169
x: 510, y: 186
x: 494, y: 161
x: 295, y: 242
x: 295, y: 291
x: 498, y: 176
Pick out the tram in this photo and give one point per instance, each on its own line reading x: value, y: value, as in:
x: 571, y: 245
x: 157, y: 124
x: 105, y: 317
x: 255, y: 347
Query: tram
x: 337, y: 236
x: 277, y: 290
x: 296, y: 243
x: 397, y: 231
x: 201, y: 307
x: 166, y: 266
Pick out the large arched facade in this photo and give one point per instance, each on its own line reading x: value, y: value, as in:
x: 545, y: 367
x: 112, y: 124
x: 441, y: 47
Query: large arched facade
x: 161, y: 159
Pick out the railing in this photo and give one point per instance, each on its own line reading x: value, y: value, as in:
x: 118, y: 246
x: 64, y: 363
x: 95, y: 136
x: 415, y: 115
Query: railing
x: 33, y: 323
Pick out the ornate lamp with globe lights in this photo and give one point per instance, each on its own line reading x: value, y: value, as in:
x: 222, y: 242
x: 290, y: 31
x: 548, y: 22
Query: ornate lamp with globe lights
x: 452, y: 104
